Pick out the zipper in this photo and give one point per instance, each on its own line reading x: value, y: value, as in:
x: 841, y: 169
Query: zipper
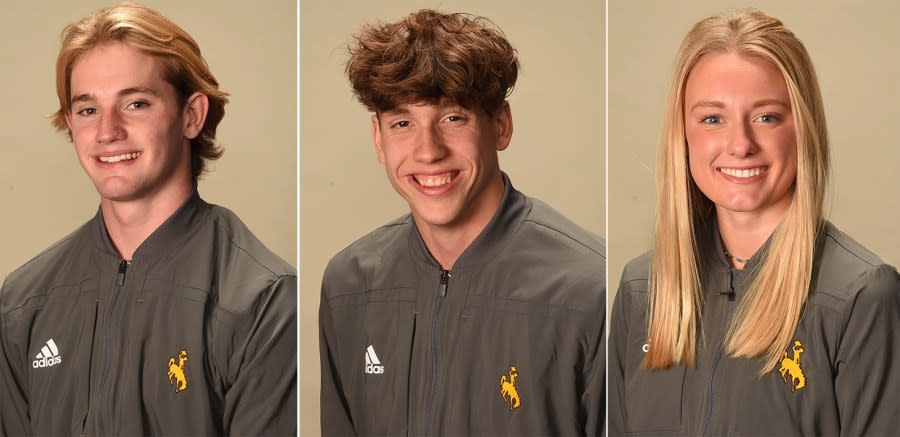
x: 120, y: 282
x: 91, y: 372
x: 720, y: 352
x: 429, y: 404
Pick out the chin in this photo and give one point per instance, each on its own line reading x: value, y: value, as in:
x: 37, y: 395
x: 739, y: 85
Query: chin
x: 118, y: 192
x: 435, y: 216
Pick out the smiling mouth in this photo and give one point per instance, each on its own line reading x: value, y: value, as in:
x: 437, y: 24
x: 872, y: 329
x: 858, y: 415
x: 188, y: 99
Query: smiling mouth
x: 743, y: 172
x: 435, y: 181
x: 118, y: 158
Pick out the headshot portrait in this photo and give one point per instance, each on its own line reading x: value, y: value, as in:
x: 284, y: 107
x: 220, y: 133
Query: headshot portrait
x: 551, y: 151
x: 756, y: 243
x: 149, y: 178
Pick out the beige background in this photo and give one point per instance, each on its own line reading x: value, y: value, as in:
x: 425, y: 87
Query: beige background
x: 251, y: 51
x: 854, y: 48
x: 556, y: 152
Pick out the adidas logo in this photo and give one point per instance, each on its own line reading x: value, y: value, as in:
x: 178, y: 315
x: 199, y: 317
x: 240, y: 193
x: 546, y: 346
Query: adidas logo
x: 373, y: 364
x: 48, y: 356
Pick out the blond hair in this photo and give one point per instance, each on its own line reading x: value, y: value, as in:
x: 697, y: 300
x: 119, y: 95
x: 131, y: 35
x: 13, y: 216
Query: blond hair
x: 768, y: 315
x: 152, y: 33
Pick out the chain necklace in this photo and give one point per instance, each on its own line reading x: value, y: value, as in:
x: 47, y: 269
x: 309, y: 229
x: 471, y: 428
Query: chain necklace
x: 736, y: 259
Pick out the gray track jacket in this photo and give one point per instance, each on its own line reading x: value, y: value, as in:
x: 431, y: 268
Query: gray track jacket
x: 195, y: 336
x: 509, y: 342
x: 839, y: 376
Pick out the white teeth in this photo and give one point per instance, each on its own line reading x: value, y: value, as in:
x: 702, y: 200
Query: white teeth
x: 117, y: 158
x: 743, y: 173
x: 434, y: 181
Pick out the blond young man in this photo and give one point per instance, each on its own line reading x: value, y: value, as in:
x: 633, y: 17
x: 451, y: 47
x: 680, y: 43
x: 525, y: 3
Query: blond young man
x: 163, y: 315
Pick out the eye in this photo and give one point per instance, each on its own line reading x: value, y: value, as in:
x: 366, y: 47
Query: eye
x: 87, y: 111
x: 711, y: 119
x: 455, y: 118
x: 137, y: 105
x: 768, y: 118
x: 400, y: 124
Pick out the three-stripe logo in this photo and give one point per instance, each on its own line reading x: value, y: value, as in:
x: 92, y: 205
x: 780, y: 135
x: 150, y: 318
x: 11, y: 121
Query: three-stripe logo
x: 373, y: 364
x: 48, y: 356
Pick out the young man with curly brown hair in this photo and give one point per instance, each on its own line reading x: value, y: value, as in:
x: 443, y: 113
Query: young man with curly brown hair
x: 481, y: 312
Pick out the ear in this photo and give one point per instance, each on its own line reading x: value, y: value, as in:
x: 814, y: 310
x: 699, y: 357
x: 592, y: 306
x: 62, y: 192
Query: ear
x: 376, y: 135
x: 503, y: 122
x: 195, y: 110
x: 69, y: 125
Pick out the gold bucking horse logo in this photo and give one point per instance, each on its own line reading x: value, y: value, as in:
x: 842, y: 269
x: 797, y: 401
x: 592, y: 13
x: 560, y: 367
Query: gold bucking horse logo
x: 508, y: 391
x: 176, y: 371
x: 791, y: 367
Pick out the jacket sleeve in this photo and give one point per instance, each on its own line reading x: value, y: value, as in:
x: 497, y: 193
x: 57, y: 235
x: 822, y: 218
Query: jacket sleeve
x: 13, y: 403
x: 616, y: 371
x: 594, y: 397
x: 335, y: 411
x: 262, y: 399
x: 867, y: 379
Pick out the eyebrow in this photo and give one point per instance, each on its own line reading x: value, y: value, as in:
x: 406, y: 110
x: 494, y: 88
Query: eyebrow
x: 396, y: 111
x: 87, y: 97
x: 757, y: 104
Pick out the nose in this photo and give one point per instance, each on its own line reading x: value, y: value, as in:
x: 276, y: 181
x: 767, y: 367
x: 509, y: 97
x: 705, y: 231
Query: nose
x: 110, y: 128
x: 430, y: 146
x: 741, y: 141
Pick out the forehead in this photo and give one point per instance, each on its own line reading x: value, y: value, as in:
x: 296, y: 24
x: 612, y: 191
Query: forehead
x: 113, y: 66
x: 733, y: 76
x: 425, y: 106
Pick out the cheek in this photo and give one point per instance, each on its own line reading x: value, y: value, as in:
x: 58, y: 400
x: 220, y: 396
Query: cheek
x: 701, y: 153
x: 698, y: 157
x: 784, y: 149
x: 390, y: 158
x: 81, y: 139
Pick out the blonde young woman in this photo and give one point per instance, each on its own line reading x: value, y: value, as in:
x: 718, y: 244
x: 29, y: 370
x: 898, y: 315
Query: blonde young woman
x: 752, y: 315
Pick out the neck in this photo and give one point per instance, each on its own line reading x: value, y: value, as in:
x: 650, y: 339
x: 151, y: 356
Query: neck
x: 447, y: 242
x: 744, y: 233
x: 446, y: 246
x: 129, y: 223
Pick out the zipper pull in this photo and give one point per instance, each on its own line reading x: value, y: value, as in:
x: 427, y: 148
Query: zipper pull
x: 445, y: 277
x: 731, y: 293
x: 730, y: 290
x: 120, y: 278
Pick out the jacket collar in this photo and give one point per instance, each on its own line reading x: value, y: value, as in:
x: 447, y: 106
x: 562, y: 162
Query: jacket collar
x: 713, y: 260
x: 166, y: 239
x: 506, y: 220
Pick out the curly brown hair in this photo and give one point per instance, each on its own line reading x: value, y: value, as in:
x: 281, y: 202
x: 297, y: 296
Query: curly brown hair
x: 429, y: 56
x: 150, y: 32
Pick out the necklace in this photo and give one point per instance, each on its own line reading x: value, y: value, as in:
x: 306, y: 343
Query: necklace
x: 742, y: 261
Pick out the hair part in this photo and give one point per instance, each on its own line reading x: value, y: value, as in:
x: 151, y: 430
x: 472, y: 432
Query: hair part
x: 768, y: 315
x: 429, y: 56
x: 150, y: 32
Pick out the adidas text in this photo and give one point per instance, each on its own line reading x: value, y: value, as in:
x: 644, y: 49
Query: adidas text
x: 48, y: 356
x: 373, y: 364
x: 46, y: 362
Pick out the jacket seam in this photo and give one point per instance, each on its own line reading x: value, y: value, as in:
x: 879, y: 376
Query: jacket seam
x: 225, y: 230
x: 546, y: 226
x: 850, y: 251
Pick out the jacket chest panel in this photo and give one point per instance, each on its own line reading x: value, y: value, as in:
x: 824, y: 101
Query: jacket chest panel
x: 653, y: 398
x: 797, y: 397
x: 510, y: 364
x: 470, y: 355
x: 58, y: 355
x: 123, y: 360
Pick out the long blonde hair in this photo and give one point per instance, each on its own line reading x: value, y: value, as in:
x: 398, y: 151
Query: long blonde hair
x: 767, y: 316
